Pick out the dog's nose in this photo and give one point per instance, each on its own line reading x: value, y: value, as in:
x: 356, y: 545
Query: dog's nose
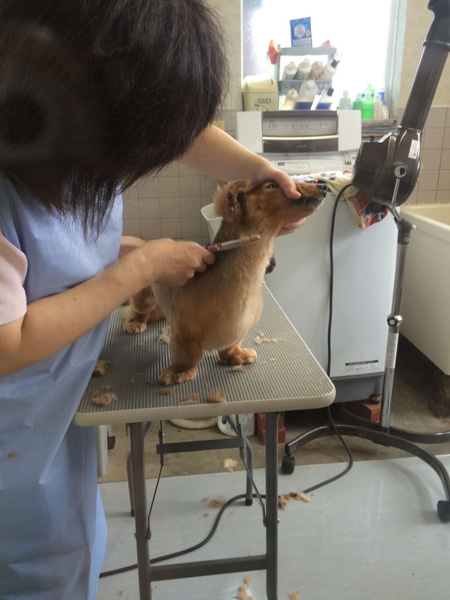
x: 323, y: 188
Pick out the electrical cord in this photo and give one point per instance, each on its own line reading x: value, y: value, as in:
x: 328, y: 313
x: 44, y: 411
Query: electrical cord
x: 259, y: 496
x: 330, y: 323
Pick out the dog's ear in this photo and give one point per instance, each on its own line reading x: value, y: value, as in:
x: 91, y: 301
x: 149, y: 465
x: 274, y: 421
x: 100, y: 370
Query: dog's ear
x: 229, y: 202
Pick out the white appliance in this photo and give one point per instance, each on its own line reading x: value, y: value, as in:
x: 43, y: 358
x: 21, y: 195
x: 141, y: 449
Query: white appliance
x: 364, y: 266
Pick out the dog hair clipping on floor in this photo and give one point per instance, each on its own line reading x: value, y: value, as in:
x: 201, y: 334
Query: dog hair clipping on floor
x: 216, y: 503
x: 301, y: 496
x: 283, y: 501
x: 247, y: 580
x: 238, y: 368
x: 293, y: 596
x: 192, y: 399
x: 101, y: 368
x: 135, y: 377
x: 104, y: 399
x: 216, y: 398
x: 229, y: 464
x: 243, y: 594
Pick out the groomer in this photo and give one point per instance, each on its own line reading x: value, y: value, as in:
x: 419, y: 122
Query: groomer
x: 94, y: 94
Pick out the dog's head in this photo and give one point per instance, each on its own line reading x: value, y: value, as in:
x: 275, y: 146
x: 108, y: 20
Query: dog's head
x: 261, y: 205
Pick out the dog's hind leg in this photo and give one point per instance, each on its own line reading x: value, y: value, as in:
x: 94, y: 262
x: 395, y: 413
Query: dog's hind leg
x: 186, y: 354
x: 235, y: 355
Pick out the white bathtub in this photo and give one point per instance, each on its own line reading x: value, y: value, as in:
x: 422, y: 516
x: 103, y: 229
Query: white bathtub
x: 426, y: 291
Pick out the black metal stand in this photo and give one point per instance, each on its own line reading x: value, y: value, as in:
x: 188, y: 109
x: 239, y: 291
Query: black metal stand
x: 382, y: 433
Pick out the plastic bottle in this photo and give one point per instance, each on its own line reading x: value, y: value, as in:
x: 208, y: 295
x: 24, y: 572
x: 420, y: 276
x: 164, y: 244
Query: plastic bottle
x: 291, y: 99
x: 368, y: 106
x: 308, y: 91
x: 357, y: 103
x: 329, y: 70
x: 316, y: 69
x: 345, y: 102
x: 370, y: 89
x: 378, y: 112
x: 304, y: 70
x: 289, y: 72
x: 325, y: 100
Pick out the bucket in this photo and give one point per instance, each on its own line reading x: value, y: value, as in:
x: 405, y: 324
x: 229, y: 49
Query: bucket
x: 213, y: 221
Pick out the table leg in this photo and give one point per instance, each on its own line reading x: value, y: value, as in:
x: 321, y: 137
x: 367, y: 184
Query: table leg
x: 140, y: 502
x: 130, y: 472
x: 272, y: 505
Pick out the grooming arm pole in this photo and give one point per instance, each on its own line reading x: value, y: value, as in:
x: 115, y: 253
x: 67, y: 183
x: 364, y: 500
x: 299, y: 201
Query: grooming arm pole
x: 394, y: 320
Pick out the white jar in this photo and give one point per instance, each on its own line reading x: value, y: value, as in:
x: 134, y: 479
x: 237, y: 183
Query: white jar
x: 247, y: 424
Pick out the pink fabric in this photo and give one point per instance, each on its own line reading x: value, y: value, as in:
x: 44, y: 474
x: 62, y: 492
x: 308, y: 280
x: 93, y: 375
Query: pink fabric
x: 13, y: 270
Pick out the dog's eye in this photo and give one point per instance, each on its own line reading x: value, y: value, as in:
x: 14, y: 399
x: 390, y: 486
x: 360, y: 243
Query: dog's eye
x: 271, y: 186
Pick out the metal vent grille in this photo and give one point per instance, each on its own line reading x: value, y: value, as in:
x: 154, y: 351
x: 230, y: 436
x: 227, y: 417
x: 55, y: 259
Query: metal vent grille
x: 285, y: 376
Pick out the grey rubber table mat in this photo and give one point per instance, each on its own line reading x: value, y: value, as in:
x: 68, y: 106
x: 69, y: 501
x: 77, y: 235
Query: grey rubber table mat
x: 285, y: 376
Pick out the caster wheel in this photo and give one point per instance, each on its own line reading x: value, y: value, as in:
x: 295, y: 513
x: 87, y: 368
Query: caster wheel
x: 111, y: 442
x: 248, y: 502
x: 443, y: 508
x: 288, y: 464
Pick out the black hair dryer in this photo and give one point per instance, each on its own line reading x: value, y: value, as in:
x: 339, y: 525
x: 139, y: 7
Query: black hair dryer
x: 387, y: 170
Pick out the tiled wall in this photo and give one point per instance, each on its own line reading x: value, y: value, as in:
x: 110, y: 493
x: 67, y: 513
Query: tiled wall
x: 169, y: 205
x: 434, y: 181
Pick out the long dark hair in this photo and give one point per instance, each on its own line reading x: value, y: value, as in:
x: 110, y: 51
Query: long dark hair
x: 95, y: 94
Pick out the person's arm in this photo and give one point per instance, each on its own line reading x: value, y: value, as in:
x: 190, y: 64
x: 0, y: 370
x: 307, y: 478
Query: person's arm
x: 52, y: 323
x: 216, y: 154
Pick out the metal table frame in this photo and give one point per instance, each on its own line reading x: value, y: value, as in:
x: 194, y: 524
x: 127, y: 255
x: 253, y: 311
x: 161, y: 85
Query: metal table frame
x: 267, y: 561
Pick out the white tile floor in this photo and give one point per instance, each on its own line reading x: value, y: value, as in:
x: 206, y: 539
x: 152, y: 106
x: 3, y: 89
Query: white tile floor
x: 372, y: 535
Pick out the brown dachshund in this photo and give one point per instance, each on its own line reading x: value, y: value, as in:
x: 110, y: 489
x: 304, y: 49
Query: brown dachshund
x: 216, y: 309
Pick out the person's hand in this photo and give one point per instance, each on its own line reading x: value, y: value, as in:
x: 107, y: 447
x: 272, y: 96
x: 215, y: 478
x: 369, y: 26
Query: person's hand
x: 173, y: 263
x: 288, y: 187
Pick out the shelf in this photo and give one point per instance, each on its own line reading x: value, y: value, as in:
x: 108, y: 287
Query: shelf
x: 299, y: 51
x: 308, y: 51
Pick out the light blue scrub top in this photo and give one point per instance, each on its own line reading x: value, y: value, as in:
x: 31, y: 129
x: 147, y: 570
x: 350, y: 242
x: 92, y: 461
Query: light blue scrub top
x: 52, y: 525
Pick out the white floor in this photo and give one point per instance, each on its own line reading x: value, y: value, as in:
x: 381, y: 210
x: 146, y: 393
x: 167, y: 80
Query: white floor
x: 372, y: 535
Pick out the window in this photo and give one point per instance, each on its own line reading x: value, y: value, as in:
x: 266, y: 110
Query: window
x: 365, y: 35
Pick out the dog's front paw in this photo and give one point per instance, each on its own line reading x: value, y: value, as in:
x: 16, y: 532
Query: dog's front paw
x: 169, y: 377
x: 134, y: 326
x: 238, y: 356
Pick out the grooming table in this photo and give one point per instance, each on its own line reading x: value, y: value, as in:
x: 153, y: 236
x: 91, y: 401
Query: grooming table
x: 285, y: 376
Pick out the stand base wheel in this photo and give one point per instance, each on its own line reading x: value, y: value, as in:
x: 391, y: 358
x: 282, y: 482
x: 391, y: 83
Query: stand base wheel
x: 111, y: 442
x: 288, y: 464
x: 248, y: 502
x: 443, y: 508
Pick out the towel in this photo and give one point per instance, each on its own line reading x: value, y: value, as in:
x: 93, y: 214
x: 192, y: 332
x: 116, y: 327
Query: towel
x: 364, y: 211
